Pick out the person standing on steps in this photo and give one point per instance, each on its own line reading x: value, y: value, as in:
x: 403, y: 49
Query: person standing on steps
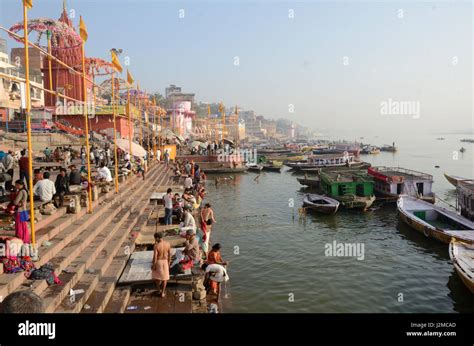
x: 161, y: 263
x: 168, y: 202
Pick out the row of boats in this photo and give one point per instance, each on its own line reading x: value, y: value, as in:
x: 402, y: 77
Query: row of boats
x: 415, y: 208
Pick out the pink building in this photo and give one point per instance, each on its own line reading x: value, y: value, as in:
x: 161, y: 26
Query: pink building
x: 181, y: 118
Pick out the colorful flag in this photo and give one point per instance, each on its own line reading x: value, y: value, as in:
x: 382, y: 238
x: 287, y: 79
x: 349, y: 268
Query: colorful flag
x: 28, y: 3
x: 83, y: 30
x: 116, y: 62
x: 129, y: 78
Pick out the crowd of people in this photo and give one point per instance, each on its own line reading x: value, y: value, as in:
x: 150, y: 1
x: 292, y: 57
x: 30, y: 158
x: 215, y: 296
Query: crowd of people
x: 196, y: 249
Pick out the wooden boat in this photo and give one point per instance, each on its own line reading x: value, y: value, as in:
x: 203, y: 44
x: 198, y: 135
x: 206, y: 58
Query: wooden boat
x: 320, y: 203
x: 389, y: 148
x: 269, y: 167
x: 465, y: 198
x: 395, y: 181
x: 352, y: 166
x: 434, y: 221
x: 219, y: 170
x: 254, y: 168
x: 353, y: 189
x: 454, y: 179
x: 318, y: 161
x: 311, y: 182
x: 462, y: 256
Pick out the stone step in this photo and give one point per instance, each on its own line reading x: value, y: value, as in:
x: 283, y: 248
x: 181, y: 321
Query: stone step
x: 99, y: 247
x: 101, y: 295
x: 72, y: 250
x: 9, y: 282
x: 118, y: 301
x: 106, y: 267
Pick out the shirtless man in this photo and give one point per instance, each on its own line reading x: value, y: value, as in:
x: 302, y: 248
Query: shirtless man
x: 161, y: 263
x: 207, y: 216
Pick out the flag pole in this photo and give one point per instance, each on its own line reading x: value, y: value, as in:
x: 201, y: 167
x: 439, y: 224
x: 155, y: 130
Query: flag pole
x: 84, y: 108
x: 28, y: 125
x: 129, y: 122
x: 115, y: 134
x: 154, y: 129
x: 50, y: 70
x: 139, y: 114
x: 147, y: 134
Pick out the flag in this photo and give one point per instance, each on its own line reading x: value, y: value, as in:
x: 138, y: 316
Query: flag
x: 129, y: 78
x: 28, y: 3
x: 154, y: 101
x: 83, y: 30
x: 116, y: 62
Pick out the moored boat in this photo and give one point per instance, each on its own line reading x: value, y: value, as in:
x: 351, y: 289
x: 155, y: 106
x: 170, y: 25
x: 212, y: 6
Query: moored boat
x: 360, y: 165
x: 353, y: 189
x: 319, y: 203
x: 390, y: 148
x: 454, y: 179
x: 254, y: 167
x: 465, y: 198
x: 462, y: 256
x: 311, y: 182
x: 271, y: 167
x: 395, y: 181
x: 319, y: 161
x: 434, y: 221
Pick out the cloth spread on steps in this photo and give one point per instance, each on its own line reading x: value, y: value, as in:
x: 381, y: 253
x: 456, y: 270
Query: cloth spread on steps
x: 14, y: 264
x: 45, y: 272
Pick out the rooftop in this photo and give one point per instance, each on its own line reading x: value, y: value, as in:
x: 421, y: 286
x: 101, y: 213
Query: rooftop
x: 401, y: 172
x: 346, y: 176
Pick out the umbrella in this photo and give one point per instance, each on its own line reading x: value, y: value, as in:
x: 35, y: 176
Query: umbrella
x: 137, y: 149
x: 230, y: 142
x: 195, y: 144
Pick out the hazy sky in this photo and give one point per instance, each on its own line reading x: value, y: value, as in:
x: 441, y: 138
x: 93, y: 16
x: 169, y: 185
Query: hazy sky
x: 334, y: 61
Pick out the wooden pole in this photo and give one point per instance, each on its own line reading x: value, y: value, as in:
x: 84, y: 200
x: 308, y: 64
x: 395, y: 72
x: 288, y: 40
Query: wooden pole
x: 84, y: 88
x: 129, y: 123
x: 115, y: 134
x: 28, y: 126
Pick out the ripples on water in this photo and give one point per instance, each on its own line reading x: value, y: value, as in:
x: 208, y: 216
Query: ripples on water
x: 280, y: 255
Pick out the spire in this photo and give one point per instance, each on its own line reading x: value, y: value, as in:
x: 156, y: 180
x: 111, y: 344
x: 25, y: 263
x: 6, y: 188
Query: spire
x: 64, y: 17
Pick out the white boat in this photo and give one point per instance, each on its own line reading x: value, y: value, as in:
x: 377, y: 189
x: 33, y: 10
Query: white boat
x: 434, y: 221
x: 462, y: 256
x: 395, y: 181
x: 253, y: 167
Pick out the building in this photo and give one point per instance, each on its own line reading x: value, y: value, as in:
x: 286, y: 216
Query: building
x: 270, y: 128
x: 180, y: 118
x: 11, y: 86
x: 174, y: 95
x: 63, y: 81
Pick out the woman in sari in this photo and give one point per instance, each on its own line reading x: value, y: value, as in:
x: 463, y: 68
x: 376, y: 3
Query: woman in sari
x: 22, y: 215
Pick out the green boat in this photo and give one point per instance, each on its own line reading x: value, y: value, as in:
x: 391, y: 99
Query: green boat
x: 353, y: 189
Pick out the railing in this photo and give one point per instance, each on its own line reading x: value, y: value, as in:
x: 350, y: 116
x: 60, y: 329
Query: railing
x: 384, y: 169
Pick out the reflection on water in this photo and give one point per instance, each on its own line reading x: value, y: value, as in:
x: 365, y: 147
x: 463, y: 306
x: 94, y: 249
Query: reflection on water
x: 278, y: 263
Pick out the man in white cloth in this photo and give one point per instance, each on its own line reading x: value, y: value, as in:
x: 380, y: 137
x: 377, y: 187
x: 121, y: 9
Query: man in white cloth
x: 44, y: 189
x: 188, y: 182
x: 104, y: 173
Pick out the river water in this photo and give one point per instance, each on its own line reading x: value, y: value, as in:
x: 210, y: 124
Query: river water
x: 278, y: 261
